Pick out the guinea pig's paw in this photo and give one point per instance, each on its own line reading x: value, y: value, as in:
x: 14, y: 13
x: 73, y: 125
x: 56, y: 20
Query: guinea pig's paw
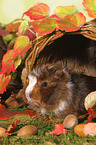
x: 43, y: 111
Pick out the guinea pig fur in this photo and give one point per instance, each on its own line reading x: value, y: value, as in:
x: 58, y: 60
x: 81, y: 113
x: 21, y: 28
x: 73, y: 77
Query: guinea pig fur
x: 53, y: 87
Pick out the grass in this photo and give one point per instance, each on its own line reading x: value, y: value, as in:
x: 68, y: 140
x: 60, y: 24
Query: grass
x: 43, y: 138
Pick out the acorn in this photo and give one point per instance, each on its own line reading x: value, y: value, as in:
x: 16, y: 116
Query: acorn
x: 90, y: 129
x: 70, y: 121
x: 79, y: 129
x: 90, y: 100
x: 27, y: 130
x: 2, y: 131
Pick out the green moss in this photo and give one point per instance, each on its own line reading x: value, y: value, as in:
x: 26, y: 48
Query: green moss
x: 43, y: 138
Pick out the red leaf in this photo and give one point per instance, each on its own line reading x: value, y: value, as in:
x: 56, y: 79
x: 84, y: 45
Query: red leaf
x: 54, y: 16
x: 12, y: 127
x: 4, y: 32
x: 59, y: 129
x: 4, y: 80
x: 71, y: 22
x: 7, y: 62
x: 6, y: 114
x: 46, y: 26
x: 31, y: 34
x: 91, y: 116
x: 22, y: 45
x: 38, y: 11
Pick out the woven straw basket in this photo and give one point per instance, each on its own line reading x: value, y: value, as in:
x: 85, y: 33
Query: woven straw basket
x: 36, y: 56
x: 50, y: 48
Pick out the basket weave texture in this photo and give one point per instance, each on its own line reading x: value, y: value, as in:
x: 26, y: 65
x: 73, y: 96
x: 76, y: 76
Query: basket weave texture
x: 88, y: 31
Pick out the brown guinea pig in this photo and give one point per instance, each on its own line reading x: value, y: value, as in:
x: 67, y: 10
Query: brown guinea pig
x: 53, y: 87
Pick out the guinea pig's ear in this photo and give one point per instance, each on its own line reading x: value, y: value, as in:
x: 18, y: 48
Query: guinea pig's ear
x: 62, y: 75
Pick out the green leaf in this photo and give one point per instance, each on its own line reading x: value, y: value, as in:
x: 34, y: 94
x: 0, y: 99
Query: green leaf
x: 62, y: 11
x: 23, y: 28
x: 17, y: 62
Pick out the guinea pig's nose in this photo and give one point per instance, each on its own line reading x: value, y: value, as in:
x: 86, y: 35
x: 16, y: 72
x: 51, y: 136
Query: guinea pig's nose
x: 28, y: 97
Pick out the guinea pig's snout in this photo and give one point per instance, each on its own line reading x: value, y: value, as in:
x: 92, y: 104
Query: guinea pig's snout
x: 28, y: 96
x: 28, y: 91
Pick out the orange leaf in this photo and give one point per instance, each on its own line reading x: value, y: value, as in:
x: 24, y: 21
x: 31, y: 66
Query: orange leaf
x: 90, y: 5
x: 91, y: 14
x: 6, y: 114
x: 22, y: 45
x: 4, y: 80
x: 59, y: 129
x: 71, y: 22
x: 38, y: 11
x: 13, y: 27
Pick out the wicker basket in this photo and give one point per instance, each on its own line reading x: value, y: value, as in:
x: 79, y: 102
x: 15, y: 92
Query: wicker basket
x: 36, y: 57
x: 47, y: 51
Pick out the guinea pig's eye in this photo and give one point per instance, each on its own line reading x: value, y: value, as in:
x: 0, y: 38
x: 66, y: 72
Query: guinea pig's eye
x: 44, y: 84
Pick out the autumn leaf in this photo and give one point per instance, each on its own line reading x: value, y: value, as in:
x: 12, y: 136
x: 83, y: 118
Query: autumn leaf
x: 38, y: 11
x: 71, y: 22
x: 92, y: 115
x: 59, y: 129
x: 11, y: 127
x: 46, y: 26
x: 4, y: 32
x: 31, y: 34
x: 11, y: 43
x: 17, y: 62
x: 23, y: 28
x: 62, y: 11
x: 4, y: 80
x: 7, y: 114
x: 90, y: 5
x: 7, y: 62
x: 13, y: 27
x: 54, y: 16
x: 22, y: 45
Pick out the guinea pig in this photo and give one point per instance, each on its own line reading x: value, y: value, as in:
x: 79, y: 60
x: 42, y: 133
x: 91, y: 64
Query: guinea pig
x: 53, y: 87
